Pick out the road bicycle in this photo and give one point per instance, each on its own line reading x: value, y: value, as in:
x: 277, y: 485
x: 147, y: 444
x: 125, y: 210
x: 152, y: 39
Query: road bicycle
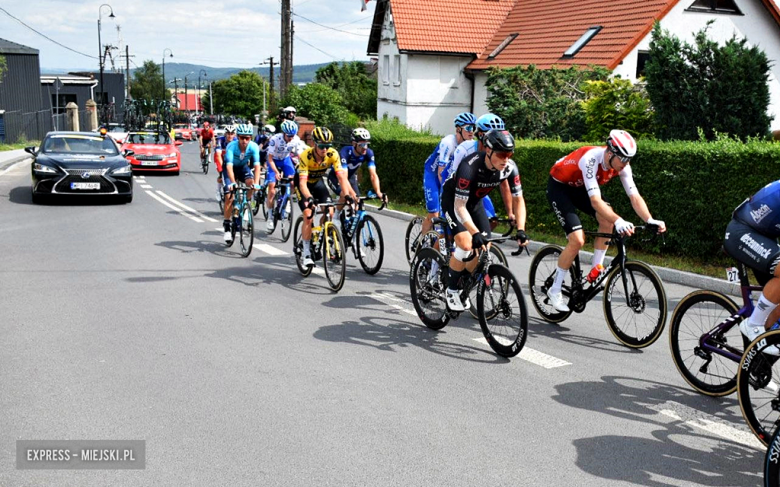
x: 413, y: 236
x: 634, y: 298
x: 705, y: 339
x: 501, y: 309
x: 772, y: 462
x: 326, y: 245
x: 363, y: 235
x: 758, y: 386
x: 283, y: 209
x: 242, y: 222
x: 204, y: 159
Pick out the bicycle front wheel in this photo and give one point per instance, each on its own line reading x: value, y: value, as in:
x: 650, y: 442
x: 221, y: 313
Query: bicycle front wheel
x: 413, y: 232
x: 247, y: 236
x: 498, y: 258
x: 298, y: 248
x: 540, y: 278
x: 333, y: 257
x: 637, y: 319
x: 772, y: 462
x: 287, y: 219
x: 428, y: 283
x: 503, y: 315
x: 262, y: 203
x: 697, y: 314
x: 758, y: 386
x: 370, y: 246
x: 204, y: 165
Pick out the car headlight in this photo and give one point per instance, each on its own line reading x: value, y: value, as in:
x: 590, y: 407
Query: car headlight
x: 123, y: 170
x: 172, y: 154
x: 41, y: 168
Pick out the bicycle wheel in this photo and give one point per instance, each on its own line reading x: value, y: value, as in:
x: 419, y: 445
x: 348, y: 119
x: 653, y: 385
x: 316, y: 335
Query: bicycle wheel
x: 428, y: 283
x: 772, y: 462
x: 259, y: 199
x: 412, y: 236
x: 540, y: 278
x: 205, y: 166
x: 498, y: 258
x: 247, y: 236
x: 272, y: 215
x: 698, y: 314
x: 503, y: 315
x: 222, y: 201
x: 265, y: 208
x: 333, y: 257
x: 370, y: 246
x: 287, y: 219
x: 638, y: 319
x: 298, y: 248
x: 758, y: 386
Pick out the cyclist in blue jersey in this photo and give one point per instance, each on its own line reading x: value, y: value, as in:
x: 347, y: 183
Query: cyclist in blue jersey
x: 262, y: 139
x: 439, y: 158
x: 751, y: 238
x: 241, y: 156
x: 352, y: 157
x: 219, y: 152
x: 281, y: 149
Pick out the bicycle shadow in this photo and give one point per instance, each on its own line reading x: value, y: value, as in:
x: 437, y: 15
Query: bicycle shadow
x: 539, y: 327
x: 208, y: 246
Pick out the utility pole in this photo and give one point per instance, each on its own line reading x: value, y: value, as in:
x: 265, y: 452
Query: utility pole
x: 211, y: 101
x: 176, y: 90
x: 286, y: 70
x: 270, y: 62
x: 127, y: 57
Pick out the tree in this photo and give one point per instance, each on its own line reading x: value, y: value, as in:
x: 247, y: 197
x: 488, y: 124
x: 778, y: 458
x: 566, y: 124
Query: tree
x: 241, y: 95
x: 358, y: 90
x: 718, y: 89
x: 148, y: 83
x: 617, y: 104
x: 3, y: 67
x: 317, y: 102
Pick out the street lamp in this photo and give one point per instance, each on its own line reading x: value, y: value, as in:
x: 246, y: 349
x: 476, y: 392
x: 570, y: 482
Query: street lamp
x: 163, y: 73
x: 101, y: 58
x: 205, y: 75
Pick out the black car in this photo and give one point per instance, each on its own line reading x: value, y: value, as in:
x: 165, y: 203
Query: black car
x: 80, y: 163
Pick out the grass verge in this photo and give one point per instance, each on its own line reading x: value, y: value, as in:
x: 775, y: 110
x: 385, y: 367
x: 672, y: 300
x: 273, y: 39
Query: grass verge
x: 19, y: 145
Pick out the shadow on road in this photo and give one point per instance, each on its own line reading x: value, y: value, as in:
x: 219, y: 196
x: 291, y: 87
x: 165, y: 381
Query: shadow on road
x: 21, y: 195
x: 539, y: 327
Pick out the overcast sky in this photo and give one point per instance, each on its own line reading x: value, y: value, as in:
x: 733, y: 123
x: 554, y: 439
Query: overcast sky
x: 240, y: 33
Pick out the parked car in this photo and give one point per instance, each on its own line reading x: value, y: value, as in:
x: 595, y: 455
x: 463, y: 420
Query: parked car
x: 153, y: 151
x: 80, y: 163
x: 183, y: 131
x: 219, y: 131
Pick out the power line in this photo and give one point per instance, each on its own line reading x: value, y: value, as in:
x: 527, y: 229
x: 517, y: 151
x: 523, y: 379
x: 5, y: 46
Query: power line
x: 342, y: 25
x: 45, y: 36
x: 328, y: 27
x: 299, y: 38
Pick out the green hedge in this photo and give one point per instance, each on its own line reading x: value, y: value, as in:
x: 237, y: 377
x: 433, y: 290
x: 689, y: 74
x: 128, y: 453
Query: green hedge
x: 692, y: 186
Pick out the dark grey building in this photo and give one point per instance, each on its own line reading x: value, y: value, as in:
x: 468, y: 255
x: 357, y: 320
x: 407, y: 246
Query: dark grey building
x: 60, y: 89
x: 113, y: 95
x: 23, y: 115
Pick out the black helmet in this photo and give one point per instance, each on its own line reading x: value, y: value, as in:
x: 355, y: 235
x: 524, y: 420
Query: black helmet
x: 499, y: 141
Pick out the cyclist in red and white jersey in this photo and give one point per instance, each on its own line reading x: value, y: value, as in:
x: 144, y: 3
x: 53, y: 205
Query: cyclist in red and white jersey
x: 206, y: 138
x: 574, y: 185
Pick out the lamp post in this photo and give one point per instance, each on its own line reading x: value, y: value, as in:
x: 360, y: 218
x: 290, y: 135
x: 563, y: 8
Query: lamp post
x: 163, y: 70
x: 205, y: 75
x: 101, y: 57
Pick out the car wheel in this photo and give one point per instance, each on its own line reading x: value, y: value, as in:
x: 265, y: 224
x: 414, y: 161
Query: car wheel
x: 176, y: 173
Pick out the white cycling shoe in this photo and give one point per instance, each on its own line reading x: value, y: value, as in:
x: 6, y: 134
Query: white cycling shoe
x: 453, y: 301
x: 307, y: 261
x: 752, y: 332
x: 228, y: 237
x: 557, y: 302
x: 269, y: 225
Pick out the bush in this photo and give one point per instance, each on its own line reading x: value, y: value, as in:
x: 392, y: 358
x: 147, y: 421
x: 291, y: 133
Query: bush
x: 617, y: 104
x: 316, y: 102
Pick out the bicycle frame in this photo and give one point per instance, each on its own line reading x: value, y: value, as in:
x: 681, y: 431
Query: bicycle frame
x: 285, y: 186
x: 353, y: 222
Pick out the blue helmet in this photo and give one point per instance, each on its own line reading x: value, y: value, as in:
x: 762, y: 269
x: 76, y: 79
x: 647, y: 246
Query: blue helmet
x: 489, y: 121
x: 289, y: 127
x: 465, y: 118
x: 244, y: 129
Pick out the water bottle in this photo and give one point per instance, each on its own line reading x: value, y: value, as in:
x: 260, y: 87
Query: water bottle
x: 595, y: 273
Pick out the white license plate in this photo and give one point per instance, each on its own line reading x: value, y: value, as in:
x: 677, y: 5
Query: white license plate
x: 149, y: 163
x: 84, y: 185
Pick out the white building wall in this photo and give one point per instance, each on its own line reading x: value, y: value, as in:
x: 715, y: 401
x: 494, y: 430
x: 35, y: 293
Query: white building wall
x: 480, y: 94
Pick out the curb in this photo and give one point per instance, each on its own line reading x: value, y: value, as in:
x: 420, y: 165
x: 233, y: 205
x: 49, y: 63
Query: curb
x: 667, y: 275
x: 14, y: 160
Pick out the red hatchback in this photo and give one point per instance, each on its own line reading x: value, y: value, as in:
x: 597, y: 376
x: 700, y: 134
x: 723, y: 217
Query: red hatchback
x: 153, y: 151
x: 183, y: 131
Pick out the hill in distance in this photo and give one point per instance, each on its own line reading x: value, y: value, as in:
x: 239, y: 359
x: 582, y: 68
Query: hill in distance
x: 301, y: 74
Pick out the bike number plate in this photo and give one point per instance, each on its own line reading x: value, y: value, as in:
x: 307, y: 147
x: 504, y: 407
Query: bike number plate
x: 84, y: 185
x: 732, y: 275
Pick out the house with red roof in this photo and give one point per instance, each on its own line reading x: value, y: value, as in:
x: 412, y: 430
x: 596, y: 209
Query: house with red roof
x: 189, y: 102
x: 433, y: 55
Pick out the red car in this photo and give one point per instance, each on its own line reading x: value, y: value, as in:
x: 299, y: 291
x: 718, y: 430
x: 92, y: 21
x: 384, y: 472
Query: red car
x: 183, y: 131
x: 153, y: 151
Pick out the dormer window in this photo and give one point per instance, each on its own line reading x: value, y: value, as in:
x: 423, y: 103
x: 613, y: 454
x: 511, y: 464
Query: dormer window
x: 715, y: 6
x: 582, y: 41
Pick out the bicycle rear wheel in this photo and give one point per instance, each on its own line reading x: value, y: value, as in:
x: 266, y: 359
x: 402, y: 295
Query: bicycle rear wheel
x: 273, y: 214
x: 428, y: 283
x: 638, y: 319
x: 772, y: 462
x: 247, y: 236
x: 503, y: 315
x: 698, y: 314
x: 333, y: 257
x: 265, y: 208
x: 259, y: 200
x: 204, y: 165
x: 370, y: 246
x: 758, y: 386
x: 287, y: 219
x: 413, y: 232
x: 498, y: 258
x: 298, y: 248
x: 540, y: 279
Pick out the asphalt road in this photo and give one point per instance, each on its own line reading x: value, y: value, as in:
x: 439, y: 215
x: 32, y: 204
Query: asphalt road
x: 134, y: 322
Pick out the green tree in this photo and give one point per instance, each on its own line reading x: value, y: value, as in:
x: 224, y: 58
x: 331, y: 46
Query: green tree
x: 718, y: 89
x: 3, y: 67
x: 241, y: 95
x: 617, y: 103
x: 319, y: 103
x: 148, y: 83
x: 358, y: 90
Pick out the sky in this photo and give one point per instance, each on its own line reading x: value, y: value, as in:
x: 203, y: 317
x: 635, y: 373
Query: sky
x: 240, y: 33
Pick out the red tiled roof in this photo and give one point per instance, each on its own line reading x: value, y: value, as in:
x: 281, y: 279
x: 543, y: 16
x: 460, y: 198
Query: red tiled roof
x: 191, y: 103
x: 547, y: 28
x: 457, y: 26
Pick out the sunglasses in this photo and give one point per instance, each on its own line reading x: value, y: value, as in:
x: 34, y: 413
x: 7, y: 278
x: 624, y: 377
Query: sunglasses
x: 362, y: 145
x: 503, y: 155
x: 624, y: 160
x: 468, y: 128
x: 244, y: 137
x: 324, y: 146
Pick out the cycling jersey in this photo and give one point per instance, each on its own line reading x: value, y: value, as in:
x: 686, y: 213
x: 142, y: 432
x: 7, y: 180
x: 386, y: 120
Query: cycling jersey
x: 762, y: 210
x: 352, y: 162
x: 473, y: 180
x: 442, y: 155
x: 219, y: 150
x: 316, y: 170
x: 465, y: 148
x: 278, y: 148
x: 234, y: 156
x: 206, y: 134
x: 586, y: 167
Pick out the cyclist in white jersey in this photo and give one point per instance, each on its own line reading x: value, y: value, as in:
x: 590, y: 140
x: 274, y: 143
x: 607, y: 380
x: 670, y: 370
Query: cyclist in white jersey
x: 282, y: 148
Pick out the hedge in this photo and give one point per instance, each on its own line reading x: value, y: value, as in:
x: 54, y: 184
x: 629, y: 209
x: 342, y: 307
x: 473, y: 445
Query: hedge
x: 692, y: 186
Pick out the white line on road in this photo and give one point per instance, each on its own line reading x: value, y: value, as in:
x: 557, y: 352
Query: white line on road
x: 196, y: 212
x: 146, y: 186
x: 392, y: 301
x: 9, y: 169
x: 535, y: 357
x: 269, y: 249
x: 175, y: 208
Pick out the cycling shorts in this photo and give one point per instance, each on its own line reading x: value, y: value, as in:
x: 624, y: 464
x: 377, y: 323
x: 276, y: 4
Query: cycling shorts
x: 333, y: 182
x: 241, y: 173
x: 285, y: 166
x: 565, y: 200
x: 755, y: 250
x: 319, y: 191
x: 478, y: 216
x: 432, y: 190
x: 205, y: 142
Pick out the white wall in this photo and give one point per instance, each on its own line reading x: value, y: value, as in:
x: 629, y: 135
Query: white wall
x: 480, y: 94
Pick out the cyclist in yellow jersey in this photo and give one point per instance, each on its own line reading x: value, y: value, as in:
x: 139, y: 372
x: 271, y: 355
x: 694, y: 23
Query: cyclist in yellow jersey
x: 310, y: 182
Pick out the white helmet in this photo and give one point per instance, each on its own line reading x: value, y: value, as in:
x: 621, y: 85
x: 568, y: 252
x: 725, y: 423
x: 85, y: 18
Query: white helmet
x: 621, y: 144
x: 269, y: 128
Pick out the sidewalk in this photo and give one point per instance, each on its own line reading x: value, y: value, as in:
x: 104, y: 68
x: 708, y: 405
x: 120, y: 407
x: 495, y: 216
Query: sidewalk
x: 11, y: 157
x: 666, y: 275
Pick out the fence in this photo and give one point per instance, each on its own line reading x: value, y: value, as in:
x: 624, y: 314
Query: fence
x: 25, y: 126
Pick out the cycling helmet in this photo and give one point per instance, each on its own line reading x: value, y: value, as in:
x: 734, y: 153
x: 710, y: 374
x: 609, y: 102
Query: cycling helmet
x: 230, y: 129
x: 321, y: 135
x: 465, y: 118
x: 499, y: 141
x: 205, y: 125
x: 289, y: 127
x: 244, y: 129
x: 360, y: 135
x: 489, y: 121
x: 621, y: 144
x: 269, y: 129
x: 288, y: 110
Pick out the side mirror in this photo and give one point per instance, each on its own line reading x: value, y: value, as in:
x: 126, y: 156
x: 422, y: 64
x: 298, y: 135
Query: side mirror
x: 32, y: 150
x: 179, y: 142
x: 128, y: 152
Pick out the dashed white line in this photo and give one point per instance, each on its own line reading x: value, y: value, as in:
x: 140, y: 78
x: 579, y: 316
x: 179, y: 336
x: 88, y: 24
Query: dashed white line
x: 269, y: 249
x: 196, y: 212
x: 393, y: 302
x: 146, y: 186
x: 175, y: 208
x: 706, y: 422
x: 535, y: 357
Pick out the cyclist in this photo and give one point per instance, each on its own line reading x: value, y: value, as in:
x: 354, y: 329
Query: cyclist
x: 436, y: 162
x: 281, y: 149
x: 751, y: 238
x: 222, y: 143
x: 352, y: 157
x: 287, y: 113
x: 310, y: 182
x: 461, y: 202
x: 574, y: 185
x: 206, y: 138
x: 239, y: 155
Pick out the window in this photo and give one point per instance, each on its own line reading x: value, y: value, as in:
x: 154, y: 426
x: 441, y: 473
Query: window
x: 58, y: 106
x: 502, y: 46
x: 582, y: 41
x: 641, y: 60
x: 385, y: 69
x: 715, y: 6
x: 397, y: 69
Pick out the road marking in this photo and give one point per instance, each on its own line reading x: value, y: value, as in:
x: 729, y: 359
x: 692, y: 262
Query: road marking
x: 706, y: 422
x: 196, y: 212
x: 146, y: 186
x: 535, y: 357
x: 392, y: 301
x: 269, y: 249
x: 9, y: 169
x: 175, y: 208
